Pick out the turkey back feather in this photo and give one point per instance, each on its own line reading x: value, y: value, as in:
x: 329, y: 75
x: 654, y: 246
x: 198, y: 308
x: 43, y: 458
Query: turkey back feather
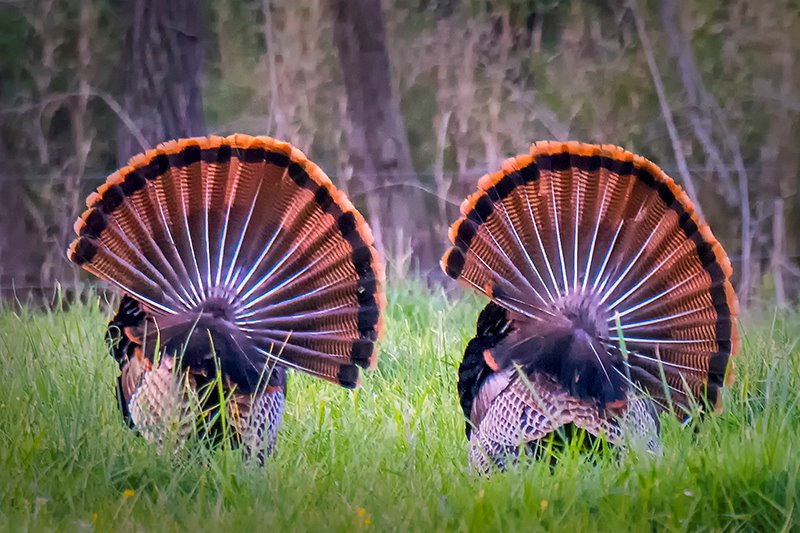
x: 571, y: 236
x: 243, y: 246
x: 493, y: 326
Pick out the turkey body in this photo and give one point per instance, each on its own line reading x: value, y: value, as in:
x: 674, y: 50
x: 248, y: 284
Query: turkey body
x: 237, y: 260
x: 172, y: 400
x: 507, y: 414
x: 610, y: 301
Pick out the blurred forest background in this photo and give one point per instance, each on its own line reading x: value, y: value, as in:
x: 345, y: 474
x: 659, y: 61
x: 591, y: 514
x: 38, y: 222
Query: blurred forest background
x: 405, y: 104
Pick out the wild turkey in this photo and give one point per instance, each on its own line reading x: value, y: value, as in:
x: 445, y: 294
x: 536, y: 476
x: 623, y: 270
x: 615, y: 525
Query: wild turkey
x: 237, y: 259
x: 564, y: 241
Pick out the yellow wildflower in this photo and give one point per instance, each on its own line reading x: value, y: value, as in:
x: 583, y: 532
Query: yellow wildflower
x: 128, y: 493
x: 363, y: 517
x: 544, y: 504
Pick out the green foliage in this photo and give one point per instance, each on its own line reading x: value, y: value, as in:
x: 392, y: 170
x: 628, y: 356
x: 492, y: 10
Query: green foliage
x: 391, y: 456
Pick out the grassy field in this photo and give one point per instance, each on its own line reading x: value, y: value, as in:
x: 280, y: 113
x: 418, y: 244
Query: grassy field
x: 391, y: 456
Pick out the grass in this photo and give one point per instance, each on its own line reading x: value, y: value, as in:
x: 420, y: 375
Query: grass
x: 391, y: 456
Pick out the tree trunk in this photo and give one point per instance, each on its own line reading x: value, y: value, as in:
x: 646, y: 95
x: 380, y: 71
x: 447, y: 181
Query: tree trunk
x: 378, y: 145
x: 163, y: 58
x: 778, y: 253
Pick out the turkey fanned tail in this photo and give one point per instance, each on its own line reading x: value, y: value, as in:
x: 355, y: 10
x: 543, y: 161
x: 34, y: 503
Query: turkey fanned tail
x: 566, y: 240
x: 237, y: 259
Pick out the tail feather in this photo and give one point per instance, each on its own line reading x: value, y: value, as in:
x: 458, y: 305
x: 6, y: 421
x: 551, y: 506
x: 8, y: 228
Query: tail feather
x: 243, y: 239
x: 215, y: 172
x: 325, y: 298
x: 194, y: 187
x: 130, y: 250
x: 151, y: 212
x: 140, y: 235
x: 333, y: 318
x: 267, y: 208
x: 173, y: 202
x: 99, y: 260
x: 323, y: 270
x: 570, y: 236
x: 301, y: 258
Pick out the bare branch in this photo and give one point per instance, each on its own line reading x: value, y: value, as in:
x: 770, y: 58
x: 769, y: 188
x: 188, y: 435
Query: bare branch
x: 442, y: 184
x: 666, y: 112
x: 109, y: 100
x: 269, y: 41
x: 700, y: 98
x: 690, y: 79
